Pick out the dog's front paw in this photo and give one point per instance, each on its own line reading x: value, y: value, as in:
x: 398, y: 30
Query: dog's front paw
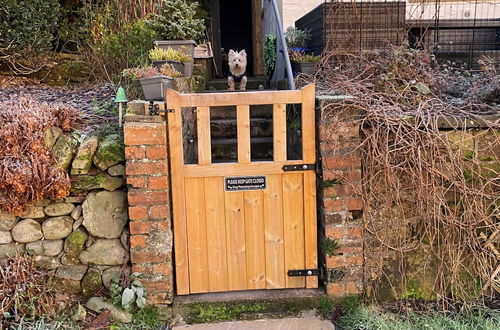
x: 231, y: 89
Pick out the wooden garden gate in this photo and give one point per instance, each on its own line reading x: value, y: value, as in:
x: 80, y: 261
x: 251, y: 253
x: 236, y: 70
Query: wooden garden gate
x: 244, y: 225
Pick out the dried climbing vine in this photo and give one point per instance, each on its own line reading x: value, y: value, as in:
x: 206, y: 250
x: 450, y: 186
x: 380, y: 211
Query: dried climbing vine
x: 28, y: 168
x: 424, y: 188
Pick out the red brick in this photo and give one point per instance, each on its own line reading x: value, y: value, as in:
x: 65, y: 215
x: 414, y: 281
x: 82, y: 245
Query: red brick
x: 335, y: 289
x: 349, y: 249
x: 159, y: 211
x: 332, y: 175
x: 352, y: 288
x: 134, y: 153
x: 140, y: 228
x: 156, y: 152
x: 342, y: 162
x: 141, y: 268
x: 353, y: 175
x: 157, y: 183
x: 354, y: 204
x: 158, y: 285
x: 137, y: 182
x: 335, y: 232
x: 164, y: 269
x: 147, y: 197
x: 163, y: 226
x: 137, y: 213
x: 138, y: 241
x: 333, y: 205
x: 141, y: 168
x: 159, y: 297
x: 355, y: 232
x: 355, y: 260
x: 145, y: 256
x: 145, y: 134
x: 335, y: 262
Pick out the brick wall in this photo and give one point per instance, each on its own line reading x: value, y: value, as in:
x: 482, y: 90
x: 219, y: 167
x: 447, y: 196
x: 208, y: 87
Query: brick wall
x: 340, y: 198
x: 149, y: 209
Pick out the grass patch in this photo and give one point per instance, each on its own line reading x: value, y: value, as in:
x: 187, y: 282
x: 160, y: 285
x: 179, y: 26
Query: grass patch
x: 371, y: 317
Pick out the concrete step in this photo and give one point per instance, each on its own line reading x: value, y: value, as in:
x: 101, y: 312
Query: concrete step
x: 229, y: 112
x: 226, y: 150
x: 252, y: 83
x: 228, y: 128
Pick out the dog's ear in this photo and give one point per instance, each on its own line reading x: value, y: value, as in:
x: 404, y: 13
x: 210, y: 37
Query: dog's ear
x: 243, y: 53
x: 231, y: 52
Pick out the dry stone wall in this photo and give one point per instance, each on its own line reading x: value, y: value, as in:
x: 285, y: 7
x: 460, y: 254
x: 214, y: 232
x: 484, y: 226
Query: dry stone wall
x: 83, y: 239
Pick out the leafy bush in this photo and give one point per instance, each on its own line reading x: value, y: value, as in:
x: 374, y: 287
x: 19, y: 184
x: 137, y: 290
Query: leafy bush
x: 297, y: 38
x: 177, y: 20
x: 270, y: 54
x: 26, y: 28
x: 168, y: 54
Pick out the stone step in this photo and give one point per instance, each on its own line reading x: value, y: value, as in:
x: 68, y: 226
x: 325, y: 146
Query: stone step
x: 252, y: 83
x: 228, y: 128
x: 229, y: 112
x: 226, y: 150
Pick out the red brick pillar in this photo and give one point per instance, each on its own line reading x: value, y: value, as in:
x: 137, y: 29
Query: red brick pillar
x: 341, y: 198
x: 149, y: 209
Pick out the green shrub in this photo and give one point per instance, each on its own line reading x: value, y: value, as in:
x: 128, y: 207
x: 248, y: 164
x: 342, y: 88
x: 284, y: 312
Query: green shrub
x: 270, y: 54
x: 297, y: 38
x: 168, y: 54
x: 111, y: 51
x: 26, y: 27
x: 177, y: 20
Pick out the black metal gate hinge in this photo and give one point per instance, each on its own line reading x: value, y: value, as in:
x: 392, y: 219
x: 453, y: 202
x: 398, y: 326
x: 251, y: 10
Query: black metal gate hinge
x: 299, y: 167
x: 305, y: 272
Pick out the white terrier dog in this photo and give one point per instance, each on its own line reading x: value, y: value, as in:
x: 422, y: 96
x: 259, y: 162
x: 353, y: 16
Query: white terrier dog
x: 238, y: 67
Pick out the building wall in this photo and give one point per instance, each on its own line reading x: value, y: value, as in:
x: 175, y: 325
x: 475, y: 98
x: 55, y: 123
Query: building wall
x: 295, y: 9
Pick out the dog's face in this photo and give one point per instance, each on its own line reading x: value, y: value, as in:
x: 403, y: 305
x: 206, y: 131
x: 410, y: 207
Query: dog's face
x: 237, y: 60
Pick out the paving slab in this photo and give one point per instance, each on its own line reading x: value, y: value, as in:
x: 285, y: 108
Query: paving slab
x: 303, y: 323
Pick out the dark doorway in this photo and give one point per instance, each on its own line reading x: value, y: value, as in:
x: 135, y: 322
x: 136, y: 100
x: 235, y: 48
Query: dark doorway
x: 236, y: 30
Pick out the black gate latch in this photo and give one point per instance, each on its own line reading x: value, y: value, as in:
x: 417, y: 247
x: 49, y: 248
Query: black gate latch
x: 303, y: 272
x: 299, y: 167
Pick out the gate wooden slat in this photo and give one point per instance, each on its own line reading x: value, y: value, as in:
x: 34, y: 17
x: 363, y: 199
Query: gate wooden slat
x: 293, y: 217
x: 195, y: 171
x: 254, y: 240
x: 308, y: 124
x: 216, y: 234
x: 310, y: 227
x: 235, y: 237
x: 197, y: 235
x: 309, y: 156
x: 243, y: 121
x: 246, y: 98
x: 279, y: 132
x: 273, y: 221
x: 178, y: 201
x: 204, y: 142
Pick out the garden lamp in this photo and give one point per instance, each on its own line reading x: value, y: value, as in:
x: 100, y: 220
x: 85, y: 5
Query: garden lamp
x: 120, y: 98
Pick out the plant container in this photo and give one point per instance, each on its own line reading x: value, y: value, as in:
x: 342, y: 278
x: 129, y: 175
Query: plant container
x: 304, y: 67
x: 179, y: 66
x: 187, y: 45
x: 155, y: 88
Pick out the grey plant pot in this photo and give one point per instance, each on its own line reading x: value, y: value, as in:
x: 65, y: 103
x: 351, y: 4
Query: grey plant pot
x: 155, y: 89
x: 304, y: 67
x: 179, y: 66
x: 189, y: 45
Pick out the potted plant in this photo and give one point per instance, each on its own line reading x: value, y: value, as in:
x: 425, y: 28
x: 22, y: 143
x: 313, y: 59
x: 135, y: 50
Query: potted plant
x: 302, y: 62
x: 176, y: 58
x: 297, y: 40
x: 153, y: 83
x: 176, y: 22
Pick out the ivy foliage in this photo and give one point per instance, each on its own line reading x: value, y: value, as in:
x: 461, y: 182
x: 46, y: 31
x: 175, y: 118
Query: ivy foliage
x: 27, y: 26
